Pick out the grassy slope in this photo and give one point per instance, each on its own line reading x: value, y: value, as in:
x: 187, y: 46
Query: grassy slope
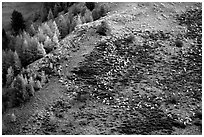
x: 69, y: 115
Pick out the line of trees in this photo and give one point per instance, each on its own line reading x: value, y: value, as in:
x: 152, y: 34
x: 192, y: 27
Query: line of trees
x: 26, y: 45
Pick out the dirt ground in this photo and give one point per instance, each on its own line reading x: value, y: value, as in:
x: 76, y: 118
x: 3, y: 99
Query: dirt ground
x: 87, y: 100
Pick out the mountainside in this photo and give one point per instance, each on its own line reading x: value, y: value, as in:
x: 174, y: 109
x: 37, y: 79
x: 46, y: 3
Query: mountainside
x: 135, y: 71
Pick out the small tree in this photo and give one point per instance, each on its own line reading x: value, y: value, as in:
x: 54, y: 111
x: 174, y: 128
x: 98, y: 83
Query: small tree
x: 41, y: 50
x: 62, y: 25
x: 54, y: 28
x: 16, y: 63
x: 20, y: 85
x: 90, y: 5
x: 103, y: 29
x: 46, y: 30
x: 30, y: 90
x: 48, y: 45
x: 9, y: 76
x: 44, y: 13
x: 5, y: 40
x: 50, y: 15
x: 96, y: 14
x: 55, y: 40
x: 32, y: 30
x: 56, y: 10
x: 17, y: 22
x: 88, y: 16
x: 102, y: 11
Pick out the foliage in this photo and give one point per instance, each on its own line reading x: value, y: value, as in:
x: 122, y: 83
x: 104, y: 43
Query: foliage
x: 103, y: 29
x: 48, y: 45
x: 46, y: 30
x: 30, y: 90
x: 41, y: 50
x: 20, y: 86
x: 90, y: 5
x: 50, y: 15
x: 62, y: 25
x: 88, y: 16
x: 9, y: 76
x: 32, y: 30
x: 16, y: 63
x: 17, y: 22
x: 5, y: 40
x: 96, y: 14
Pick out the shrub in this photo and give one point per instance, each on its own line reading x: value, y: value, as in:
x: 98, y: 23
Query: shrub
x: 16, y: 63
x: 90, y: 5
x: 20, y: 86
x: 103, y: 29
x: 41, y: 50
x: 32, y: 30
x: 9, y: 76
x: 30, y: 90
x: 99, y: 12
x: 55, y: 29
x: 75, y: 9
x: 41, y: 36
x: 46, y: 30
x: 96, y: 14
x: 88, y: 16
x: 5, y: 40
x: 62, y: 25
x: 48, y: 45
x: 102, y: 11
x: 38, y: 85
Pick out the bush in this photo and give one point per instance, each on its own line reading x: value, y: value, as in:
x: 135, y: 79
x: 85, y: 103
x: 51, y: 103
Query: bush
x: 102, y: 11
x: 103, y: 29
x: 10, y: 98
x: 30, y: 90
x: 88, y: 16
x: 90, y: 5
x: 96, y: 14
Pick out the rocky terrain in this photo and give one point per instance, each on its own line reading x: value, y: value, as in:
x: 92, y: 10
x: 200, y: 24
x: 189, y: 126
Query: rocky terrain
x: 142, y: 76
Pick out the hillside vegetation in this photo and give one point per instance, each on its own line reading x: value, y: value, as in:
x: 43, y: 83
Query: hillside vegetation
x: 135, y: 70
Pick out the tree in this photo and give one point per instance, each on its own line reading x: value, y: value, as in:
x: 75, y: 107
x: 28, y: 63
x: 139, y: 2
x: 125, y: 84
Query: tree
x: 40, y: 35
x: 103, y: 29
x: 20, y: 85
x: 90, y: 5
x: 62, y: 25
x: 43, y: 12
x: 41, y: 50
x: 46, y: 30
x: 95, y: 14
x: 17, y: 22
x: 9, y: 76
x: 16, y: 63
x: 102, y: 11
x: 79, y: 20
x: 54, y: 28
x: 30, y: 90
x: 32, y: 30
x: 88, y: 16
x: 50, y: 15
x: 56, y: 9
x: 55, y: 40
x: 5, y: 40
x: 48, y: 45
